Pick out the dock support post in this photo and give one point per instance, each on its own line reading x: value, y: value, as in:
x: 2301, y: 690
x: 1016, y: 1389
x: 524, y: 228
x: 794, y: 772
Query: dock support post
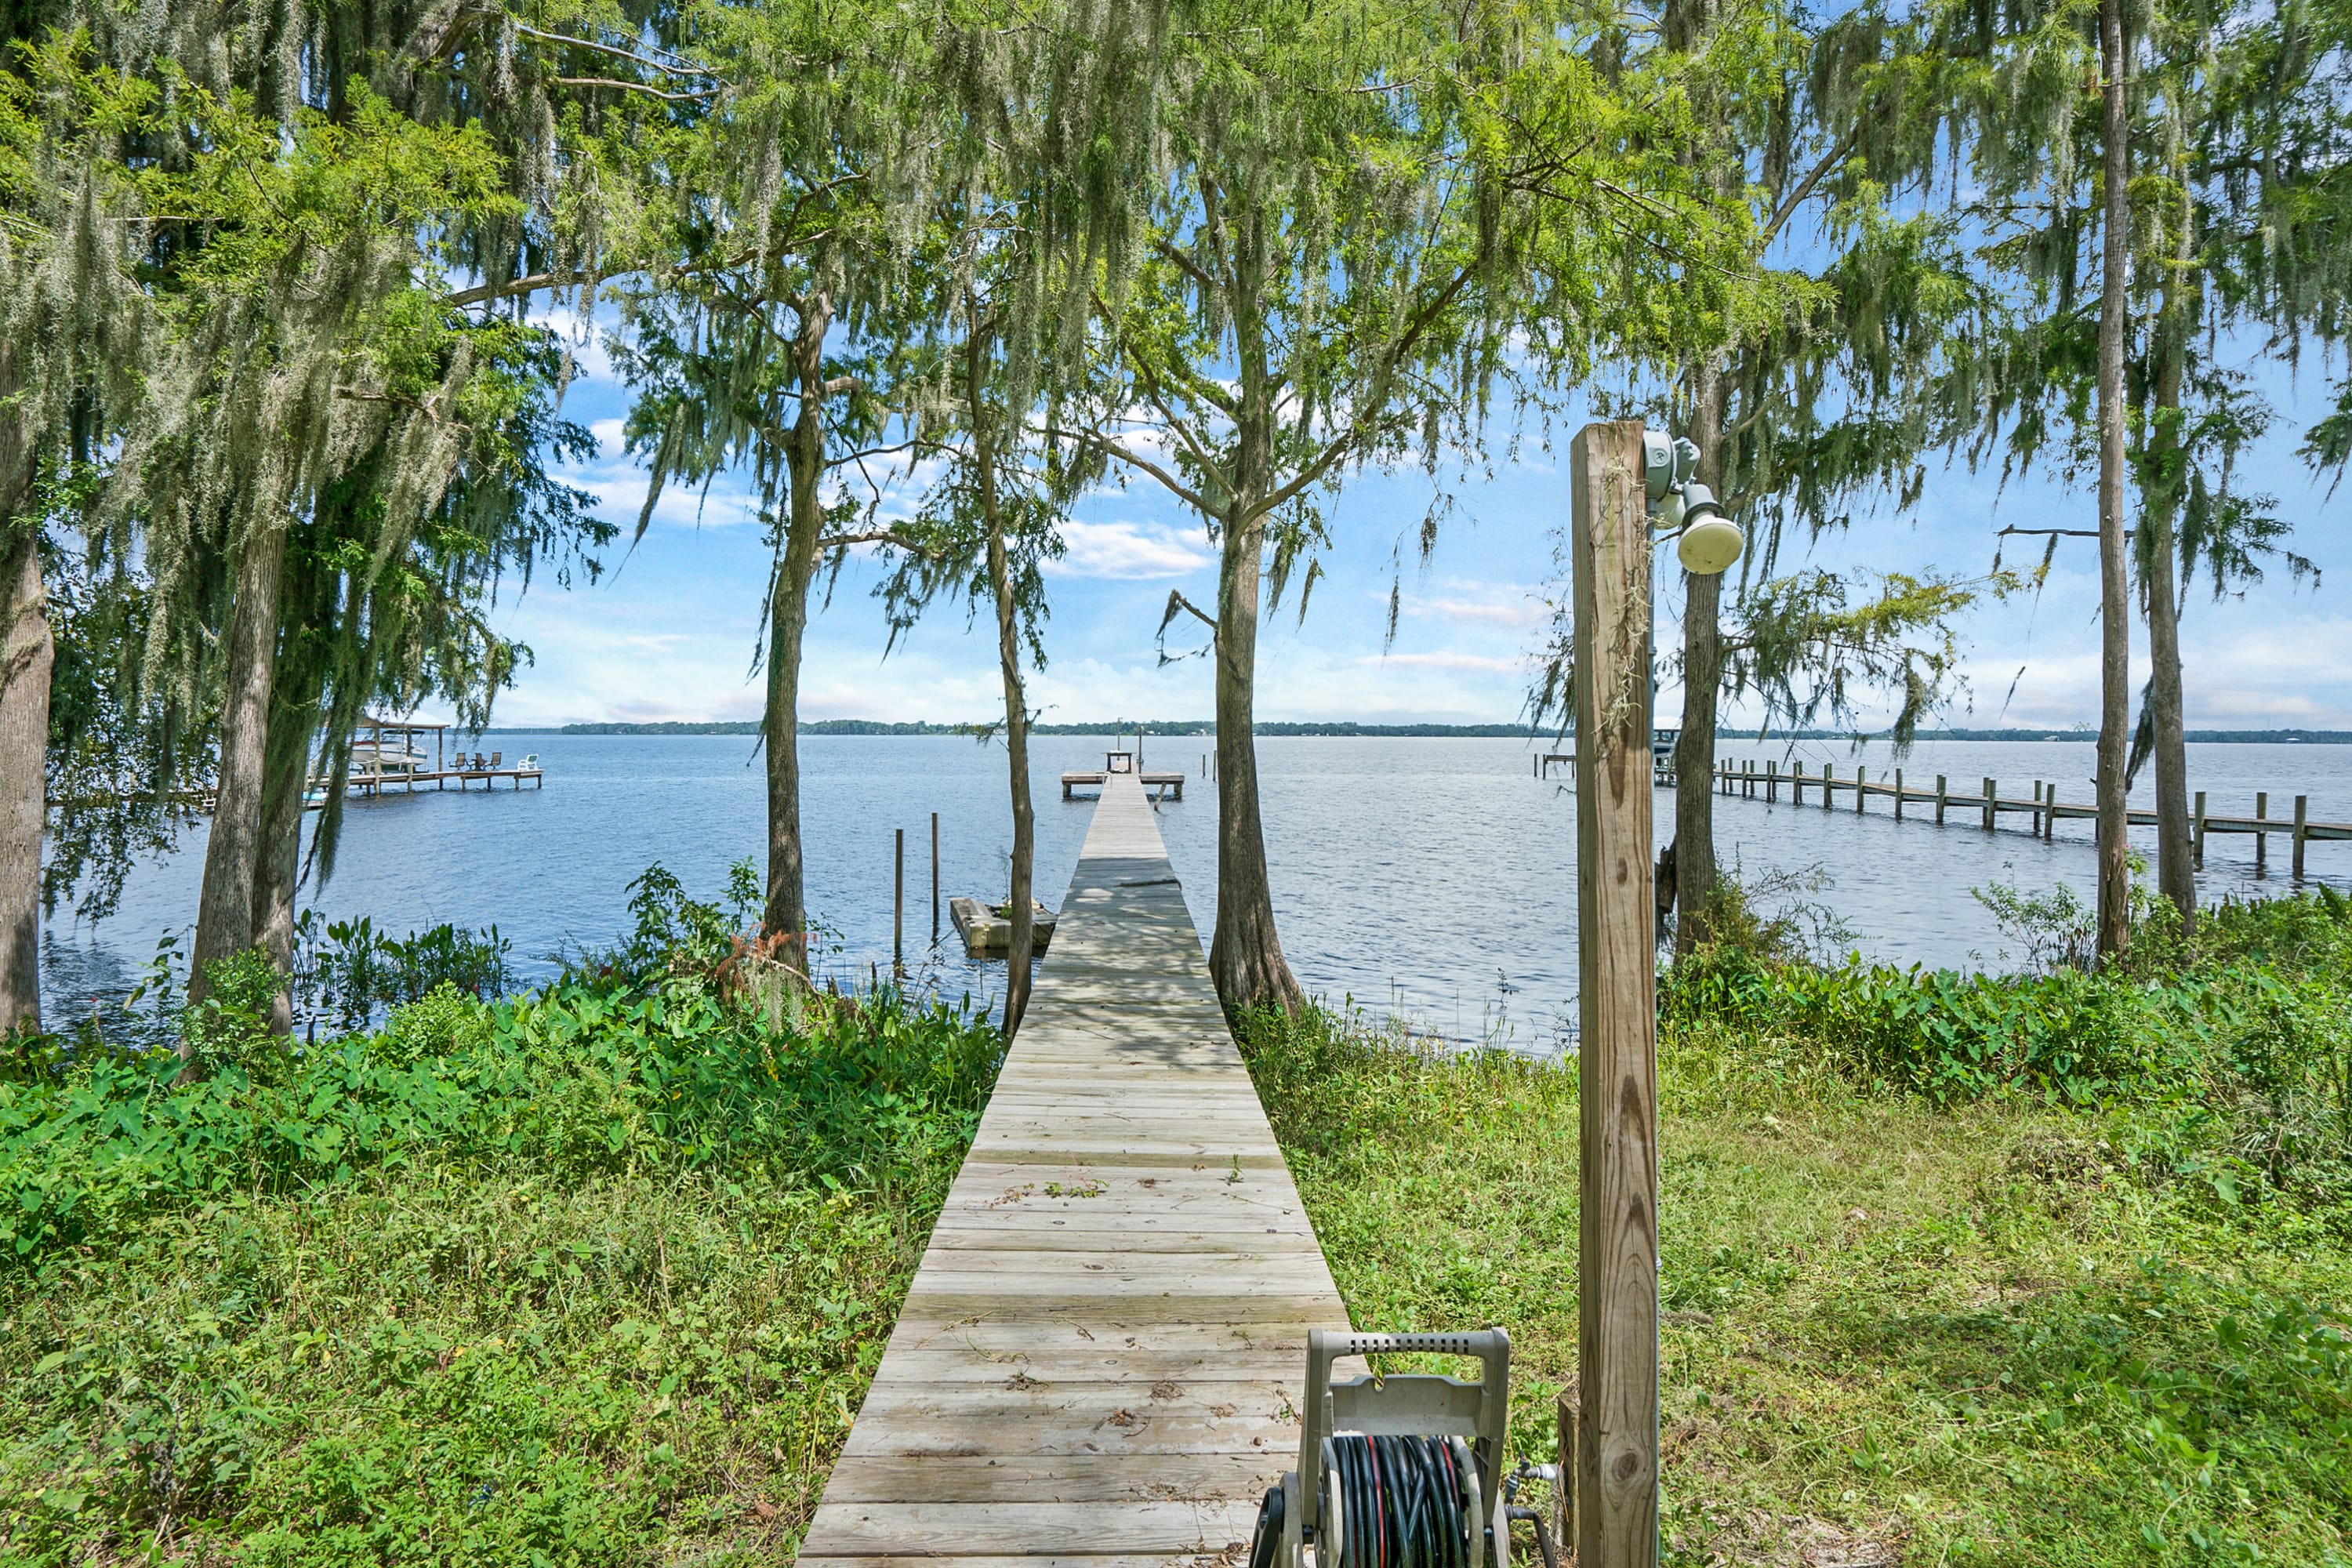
x: 1797, y: 784
x: 1617, y: 1259
x: 935, y: 879
x: 1829, y: 785
x: 1990, y: 798
x: 1943, y: 798
x: 1861, y: 794
x: 2200, y: 843
x: 2301, y: 802
x: 1771, y: 780
x: 1899, y: 795
x: 2262, y: 840
x: 898, y: 904
x: 2049, y: 812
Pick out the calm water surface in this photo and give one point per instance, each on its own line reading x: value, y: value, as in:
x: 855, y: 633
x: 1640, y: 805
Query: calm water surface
x: 1434, y: 878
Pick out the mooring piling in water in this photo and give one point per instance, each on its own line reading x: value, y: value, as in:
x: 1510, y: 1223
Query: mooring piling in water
x: 898, y: 903
x: 935, y: 879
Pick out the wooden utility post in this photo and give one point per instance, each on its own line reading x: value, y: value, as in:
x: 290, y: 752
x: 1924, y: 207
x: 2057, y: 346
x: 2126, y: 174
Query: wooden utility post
x: 1617, y: 1262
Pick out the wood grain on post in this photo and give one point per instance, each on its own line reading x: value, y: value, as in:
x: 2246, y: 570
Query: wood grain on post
x: 1617, y: 1266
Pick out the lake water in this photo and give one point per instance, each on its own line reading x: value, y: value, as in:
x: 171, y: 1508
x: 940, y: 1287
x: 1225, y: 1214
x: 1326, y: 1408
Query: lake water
x: 1434, y: 878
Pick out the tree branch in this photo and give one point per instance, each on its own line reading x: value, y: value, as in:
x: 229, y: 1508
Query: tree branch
x: 615, y: 52
x: 880, y: 536
x: 633, y: 87
x: 1177, y: 601
x: 1110, y: 448
x: 1790, y: 203
x: 2063, y: 532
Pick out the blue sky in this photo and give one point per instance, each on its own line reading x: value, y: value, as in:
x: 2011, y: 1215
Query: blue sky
x: 671, y: 634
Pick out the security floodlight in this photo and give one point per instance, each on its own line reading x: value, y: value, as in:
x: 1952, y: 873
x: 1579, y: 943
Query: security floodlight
x: 1710, y: 541
x: 1707, y: 541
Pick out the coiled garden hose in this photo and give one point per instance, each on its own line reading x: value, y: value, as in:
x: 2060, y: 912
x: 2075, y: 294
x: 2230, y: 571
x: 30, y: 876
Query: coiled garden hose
x: 1398, y: 1503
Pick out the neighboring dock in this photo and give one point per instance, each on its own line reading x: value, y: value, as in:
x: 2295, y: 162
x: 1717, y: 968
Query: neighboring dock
x: 2043, y: 810
x: 1102, y: 1354
x: 388, y: 757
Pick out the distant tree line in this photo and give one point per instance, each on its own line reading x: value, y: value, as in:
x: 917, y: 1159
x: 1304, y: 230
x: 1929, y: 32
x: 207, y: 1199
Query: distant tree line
x: 283, y: 348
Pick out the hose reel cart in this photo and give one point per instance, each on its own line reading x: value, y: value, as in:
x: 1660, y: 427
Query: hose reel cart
x: 1401, y: 1472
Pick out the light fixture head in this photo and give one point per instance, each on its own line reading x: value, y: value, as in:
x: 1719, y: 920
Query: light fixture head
x: 1658, y: 457
x: 1710, y: 541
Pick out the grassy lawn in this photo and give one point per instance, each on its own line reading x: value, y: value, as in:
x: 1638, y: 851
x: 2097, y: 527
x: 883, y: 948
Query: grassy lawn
x: 593, y: 1277
x: 1997, y: 1329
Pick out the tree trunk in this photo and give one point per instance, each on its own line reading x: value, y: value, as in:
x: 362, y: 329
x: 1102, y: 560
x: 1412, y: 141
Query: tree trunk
x: 279, y: 867
x: 234, y: 846
x: 1016, y: 710
x: 27, y: 653
x: 1694, y: 840
x: 1017, y: 748
x: 787, y: 913
x: 1246, y: 954
x: 2115, y: 589
x: 2175, y: 863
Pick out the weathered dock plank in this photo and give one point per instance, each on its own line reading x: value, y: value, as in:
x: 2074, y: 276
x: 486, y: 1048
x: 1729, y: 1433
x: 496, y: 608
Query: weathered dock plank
x: 1098, y: 1360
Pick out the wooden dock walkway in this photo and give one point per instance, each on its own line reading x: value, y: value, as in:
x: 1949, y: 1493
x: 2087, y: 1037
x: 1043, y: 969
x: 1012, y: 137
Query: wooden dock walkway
x: 1100, y: 1355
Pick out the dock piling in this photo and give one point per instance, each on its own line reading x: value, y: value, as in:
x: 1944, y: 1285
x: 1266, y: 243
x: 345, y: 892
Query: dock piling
x: 898, y: 904
x: 1771, y: 780
x: 2301, y: 802
x: 1860, y: 787
x: 2199, y: 849
x: 935, y: 879
x: 1899, y: 795
x: 1943, y: 798
x: 1797, y: 784
x: 1617, y: 1006
x: 2262, y: 840
x: 1989, y: 799
x: 1829, y: 787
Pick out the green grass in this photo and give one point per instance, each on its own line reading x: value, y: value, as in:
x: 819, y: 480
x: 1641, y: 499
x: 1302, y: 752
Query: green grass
x: 2019, y: 1327
x: 595, y: 1277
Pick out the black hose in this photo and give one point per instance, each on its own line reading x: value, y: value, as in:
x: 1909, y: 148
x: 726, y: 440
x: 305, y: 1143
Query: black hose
x: 1543, y: 1532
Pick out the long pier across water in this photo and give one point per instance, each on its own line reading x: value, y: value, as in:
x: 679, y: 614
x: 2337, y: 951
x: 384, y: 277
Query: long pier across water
x: 2043, y: 810
x: 1100, y: 1356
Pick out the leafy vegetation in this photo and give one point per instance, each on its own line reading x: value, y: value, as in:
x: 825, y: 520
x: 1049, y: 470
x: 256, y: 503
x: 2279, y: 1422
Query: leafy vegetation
x: 2050, y: 1268
x: 595, y: 1275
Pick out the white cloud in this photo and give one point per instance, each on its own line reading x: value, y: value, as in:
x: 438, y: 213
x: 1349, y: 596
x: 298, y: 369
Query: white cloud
x: 1488, y: 607
x: 1130, y: 550
x: 1482, y: 663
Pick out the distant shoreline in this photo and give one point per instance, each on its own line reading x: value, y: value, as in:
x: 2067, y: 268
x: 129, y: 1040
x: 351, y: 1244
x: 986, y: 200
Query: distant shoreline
x: 1434, y: 732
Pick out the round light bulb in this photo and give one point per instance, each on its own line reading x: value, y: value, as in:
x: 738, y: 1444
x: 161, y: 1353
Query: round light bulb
x: 1710, y: 545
